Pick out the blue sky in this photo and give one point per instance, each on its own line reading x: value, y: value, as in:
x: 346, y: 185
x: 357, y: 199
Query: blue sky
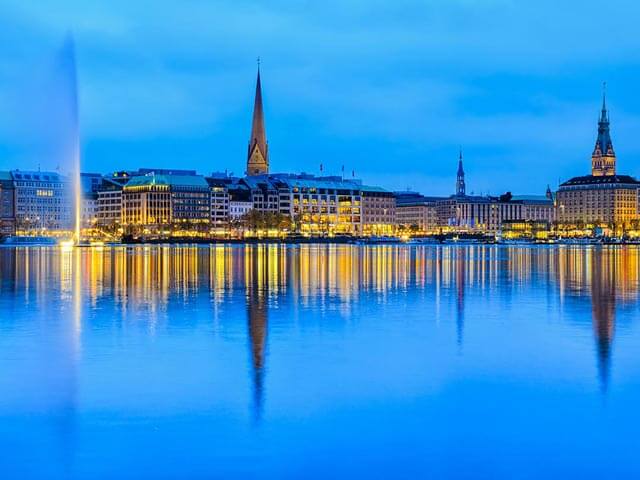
x: 390, y: 89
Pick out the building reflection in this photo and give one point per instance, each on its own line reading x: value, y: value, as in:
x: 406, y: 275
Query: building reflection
x: 257, y: 275
x: 315, y: 277
x: 461, y: 266
x: 603, y: 308
x: 608, y: 277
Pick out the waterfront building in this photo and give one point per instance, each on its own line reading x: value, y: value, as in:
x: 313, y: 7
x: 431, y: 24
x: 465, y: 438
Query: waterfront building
x: 43, y: 202
x: 416, y: 213
x: 239, y: 203
x: 219, y: 202
x: 318, y: 205
x: 528, y: 230
x: 157, y: 202
x: 485, y: 213
x: 89, y: 209
x: 378, y: 211
x: 258, y: 153
x: 109, y: 202
x: 7, y: 205
x: 239, y: 208
x: 239, y: 196
x: 321, y: 205
x: 264, y: 193
x: 603, y: 199
x: 90, y: 183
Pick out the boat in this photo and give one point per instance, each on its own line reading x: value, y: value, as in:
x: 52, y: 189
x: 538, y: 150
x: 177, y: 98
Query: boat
x: 423, y: 241
x: 377, y: 240
x: 21, y: 240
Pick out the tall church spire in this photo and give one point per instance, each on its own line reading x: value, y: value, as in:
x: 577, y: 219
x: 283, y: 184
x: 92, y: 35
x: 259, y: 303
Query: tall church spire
x: 603, y: 158
x: 258, y: 155
x: 460, y: 185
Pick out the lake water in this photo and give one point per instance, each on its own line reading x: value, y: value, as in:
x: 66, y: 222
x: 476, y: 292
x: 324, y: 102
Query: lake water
x: 320, y: 361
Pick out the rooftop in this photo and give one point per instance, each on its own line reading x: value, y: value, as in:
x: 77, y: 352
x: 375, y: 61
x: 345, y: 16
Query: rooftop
x: 413, y: 198
x: 38, y: 176
x: 306, y: 181
x: 601, y: 180
x: 170, y: 180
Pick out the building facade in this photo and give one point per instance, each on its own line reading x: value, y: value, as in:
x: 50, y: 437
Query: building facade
x: 90, y: 184
x: 609, y: 201
x: 43, y: 203
x: 486, y: 214
x: 604, y: 198
x: 416, y: 213
x: 240, y: 199
x: 321, y: 205
x: 378, y: 211
x: 317, y: 205
x: 219, y: 195
x: 7, y: 205
x: 110, y: 200
x: 157, y: 202
x: 239, y: 208
x: 263, y: 193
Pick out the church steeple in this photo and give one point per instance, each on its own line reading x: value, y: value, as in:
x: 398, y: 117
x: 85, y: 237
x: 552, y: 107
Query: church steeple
x: 460, y: 185
x: 258, y: 155
x: 603, y: 158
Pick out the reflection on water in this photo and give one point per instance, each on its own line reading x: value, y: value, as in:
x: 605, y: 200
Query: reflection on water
x: 69, y: 296
x: 150, y: 278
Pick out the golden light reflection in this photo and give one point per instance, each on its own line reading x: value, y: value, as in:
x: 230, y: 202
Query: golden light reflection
x: 322, y: 276
x: 314, y: 274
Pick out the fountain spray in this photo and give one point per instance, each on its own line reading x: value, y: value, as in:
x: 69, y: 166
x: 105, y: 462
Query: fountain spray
x: 69, y: 59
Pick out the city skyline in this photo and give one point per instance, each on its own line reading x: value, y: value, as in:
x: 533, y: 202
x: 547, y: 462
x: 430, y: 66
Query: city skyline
x: 148, y: 101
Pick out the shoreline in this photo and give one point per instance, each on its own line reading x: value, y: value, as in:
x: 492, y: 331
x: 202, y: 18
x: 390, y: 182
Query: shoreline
x: 432, y: 242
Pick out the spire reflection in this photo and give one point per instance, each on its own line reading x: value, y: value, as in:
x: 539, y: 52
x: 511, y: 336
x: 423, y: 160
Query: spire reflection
x: 461, y: 266
x: 257, y: 275
x: 603, y: 309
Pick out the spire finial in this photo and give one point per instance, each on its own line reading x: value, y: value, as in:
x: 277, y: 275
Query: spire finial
x: 604, y: 96
x: 460, y: 185
x: 258, y: 62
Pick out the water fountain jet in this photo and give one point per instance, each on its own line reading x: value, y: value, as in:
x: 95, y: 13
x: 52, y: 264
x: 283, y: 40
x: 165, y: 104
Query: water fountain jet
x: 69, y: 62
